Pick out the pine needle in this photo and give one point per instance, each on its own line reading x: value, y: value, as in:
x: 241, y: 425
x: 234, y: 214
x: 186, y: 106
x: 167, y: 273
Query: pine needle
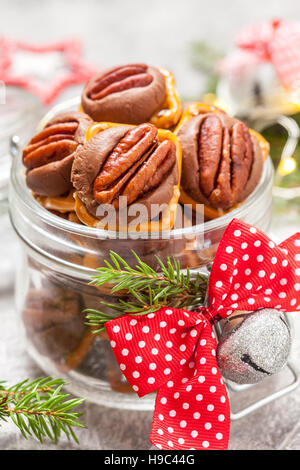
x: 145, y: 290
x: 39, y: 408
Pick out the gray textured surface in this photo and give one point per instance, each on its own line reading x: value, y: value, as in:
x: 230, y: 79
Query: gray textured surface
x: 158, y: 32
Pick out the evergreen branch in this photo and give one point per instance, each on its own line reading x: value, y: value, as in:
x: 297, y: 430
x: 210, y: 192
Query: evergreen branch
x: 146, y: 290
x: 205, y: 57
x: 39, y: 408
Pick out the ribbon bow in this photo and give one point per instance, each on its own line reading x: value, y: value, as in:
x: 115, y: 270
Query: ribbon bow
x: 277, y: 42
x: 174, y: 351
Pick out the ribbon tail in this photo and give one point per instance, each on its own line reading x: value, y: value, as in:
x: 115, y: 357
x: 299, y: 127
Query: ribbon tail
x: 192, y: 410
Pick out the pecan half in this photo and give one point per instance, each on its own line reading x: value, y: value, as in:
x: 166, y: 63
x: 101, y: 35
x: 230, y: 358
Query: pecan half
x: 129, y: 93
x: 120, y: 79
x: 222, y: 161
x: 49, y: 155
x: 136, y: 165
x: 124, y: 161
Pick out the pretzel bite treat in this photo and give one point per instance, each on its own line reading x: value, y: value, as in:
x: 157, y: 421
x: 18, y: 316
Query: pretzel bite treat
x: 54, y: 320
x: 49, y: 155
x: 133, y: 94
x: 222, y: 159
x: 138, y: 164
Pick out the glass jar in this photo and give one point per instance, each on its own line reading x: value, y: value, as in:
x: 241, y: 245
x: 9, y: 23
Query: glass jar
x: 19, y: 114
x: 52, y: 289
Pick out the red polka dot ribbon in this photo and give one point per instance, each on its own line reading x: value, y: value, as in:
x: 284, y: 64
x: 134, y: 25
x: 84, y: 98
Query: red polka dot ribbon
x: 173, y: 351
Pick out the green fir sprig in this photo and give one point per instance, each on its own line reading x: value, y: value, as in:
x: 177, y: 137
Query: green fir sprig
x: 39, y: 408
x: 145, y: 290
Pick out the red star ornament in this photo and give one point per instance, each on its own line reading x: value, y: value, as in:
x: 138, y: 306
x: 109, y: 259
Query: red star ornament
x: 44, y: 70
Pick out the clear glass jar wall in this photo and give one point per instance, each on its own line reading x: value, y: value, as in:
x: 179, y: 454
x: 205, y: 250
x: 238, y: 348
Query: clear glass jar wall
x: 58, y: 260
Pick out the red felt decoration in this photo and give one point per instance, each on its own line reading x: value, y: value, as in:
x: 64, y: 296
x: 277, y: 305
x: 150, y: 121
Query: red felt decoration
x: 277, y: 42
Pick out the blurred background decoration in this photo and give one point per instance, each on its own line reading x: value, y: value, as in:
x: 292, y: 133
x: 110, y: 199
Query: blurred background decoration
x: 259, y: 82
x: 50, y: 48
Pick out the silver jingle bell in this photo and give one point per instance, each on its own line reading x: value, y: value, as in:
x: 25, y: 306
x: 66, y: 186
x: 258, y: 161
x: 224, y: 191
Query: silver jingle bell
x: 253, y: 345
